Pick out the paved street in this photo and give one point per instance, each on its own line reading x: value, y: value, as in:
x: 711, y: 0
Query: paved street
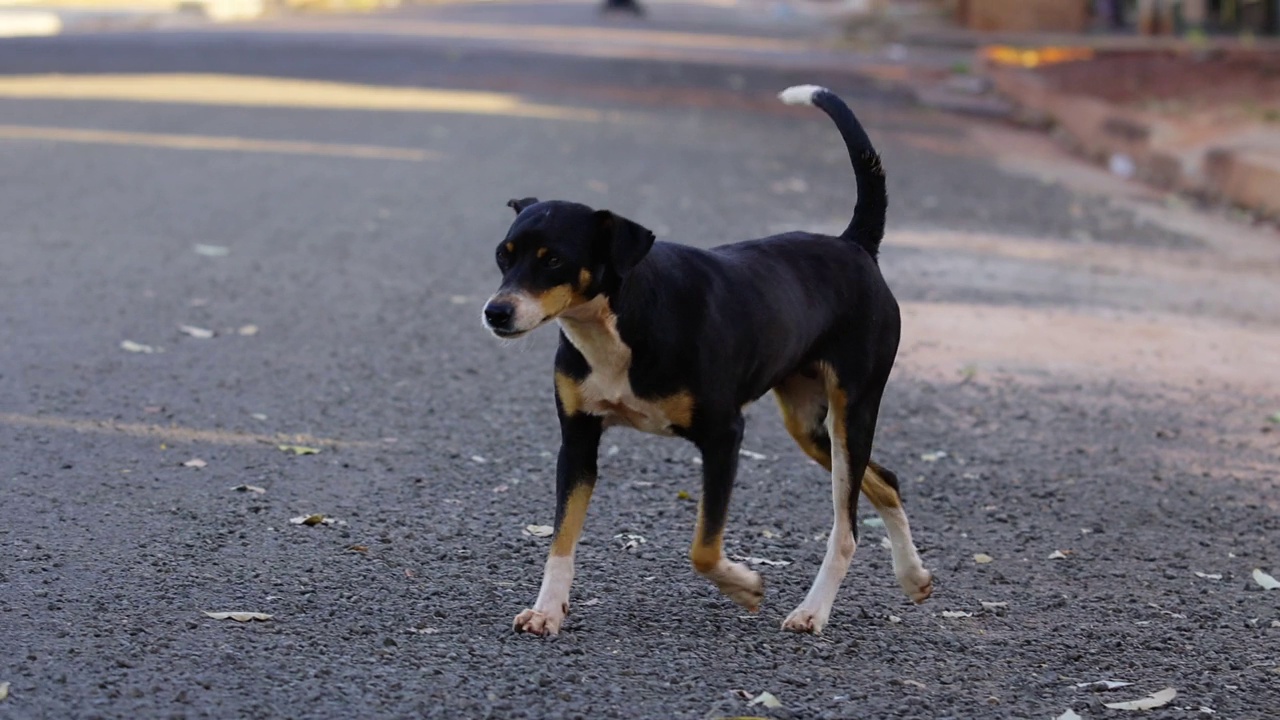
x: 1081, y: 400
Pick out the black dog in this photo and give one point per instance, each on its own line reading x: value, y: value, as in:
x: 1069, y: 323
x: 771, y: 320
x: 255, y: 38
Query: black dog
x: 675, y: 340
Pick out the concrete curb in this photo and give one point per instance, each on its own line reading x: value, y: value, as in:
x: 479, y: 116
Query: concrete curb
x: 1236, y: 165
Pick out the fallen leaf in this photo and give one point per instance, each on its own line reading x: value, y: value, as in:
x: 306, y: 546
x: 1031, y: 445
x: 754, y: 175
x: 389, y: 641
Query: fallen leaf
x: 1058, y: 555
x: 1266, y: 581
x: 994, y: 605
x: 982, y: 558
x: 895, y: 619
x: 1068, y: 715
x: 761, y: 561
x: 1275, y: 624
x: 767, y: 699
x: 249, y: 488
x: 501, y: 488
x: 1207, y: 576
x: 247, y: 330
x: 956, y: 614
x: 630, y: 541
x: 933, y: 456
x: 4, y: 690
x: 258, y: 416
x: 873, y: 522
x: 915, y: 683
x: 478, y: 459
x: 134, y: 347
x: 539, y: 530
x: 299, y: 449
x: 1104, y: 684
x: 358, y: 548
x: 238, y: 616
x: 753, y: 455
x: 1155, y: 700
x: 311, y: 520
x: 591, y: 602
x: 196, y: 332
x: 770, y: 534
x: 211, y: 250
x: 195, y: 463
x: 683, y: 495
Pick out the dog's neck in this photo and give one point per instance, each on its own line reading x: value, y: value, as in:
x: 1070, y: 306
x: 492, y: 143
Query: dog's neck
x: 592, y: 328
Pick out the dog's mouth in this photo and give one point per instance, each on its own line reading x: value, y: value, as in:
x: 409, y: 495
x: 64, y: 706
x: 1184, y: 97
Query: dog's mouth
x: 507, y: 334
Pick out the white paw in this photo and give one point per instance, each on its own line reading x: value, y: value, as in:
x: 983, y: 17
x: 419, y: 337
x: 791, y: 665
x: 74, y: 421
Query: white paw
x: 917, y: 583
x: 744, y: 587
x: 535, y: 622
x: 805, y: 620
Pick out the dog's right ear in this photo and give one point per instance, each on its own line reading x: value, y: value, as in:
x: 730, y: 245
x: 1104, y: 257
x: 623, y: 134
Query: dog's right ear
x: 520, y: 205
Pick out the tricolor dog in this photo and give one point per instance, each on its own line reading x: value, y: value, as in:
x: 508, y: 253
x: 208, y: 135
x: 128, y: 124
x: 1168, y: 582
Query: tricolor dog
x: 675, y: 340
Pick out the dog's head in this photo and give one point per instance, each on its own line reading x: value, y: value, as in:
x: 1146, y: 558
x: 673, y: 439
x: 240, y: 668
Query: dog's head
x: 558, y: 256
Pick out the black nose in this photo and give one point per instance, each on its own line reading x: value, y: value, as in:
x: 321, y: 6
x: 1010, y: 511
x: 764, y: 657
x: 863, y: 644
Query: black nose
x: 498, y: 314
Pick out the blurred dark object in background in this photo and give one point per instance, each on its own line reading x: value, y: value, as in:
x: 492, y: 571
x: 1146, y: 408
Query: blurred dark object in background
x: 626, y: 6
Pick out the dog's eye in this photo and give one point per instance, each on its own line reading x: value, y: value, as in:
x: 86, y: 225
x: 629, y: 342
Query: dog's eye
x: 552, y: 261
x: 504, y: 259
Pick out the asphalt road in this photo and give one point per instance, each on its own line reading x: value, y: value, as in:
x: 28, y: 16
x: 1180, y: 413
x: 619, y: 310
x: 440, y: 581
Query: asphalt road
x: 1058, y: 391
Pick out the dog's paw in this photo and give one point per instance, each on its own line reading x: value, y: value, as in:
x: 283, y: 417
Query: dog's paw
x: 917, y: 583
x: 536, y: 622
x: 744, y: 587
x: 805, y: 620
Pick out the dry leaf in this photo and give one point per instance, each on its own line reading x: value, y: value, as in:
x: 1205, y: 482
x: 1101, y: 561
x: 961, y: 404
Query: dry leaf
x: 1207, y: 576
x: 591, y: 602
x: 258, y: 416
x: 1058, y: 555
x: 478, y: 459
x: 1068, y: 715
x: 630, y: 541
x: 933, y: 456
x: 358, y: 548
x: 195, y: 332
x: 238, y: 616
x: 299, y: 449
x: 195, y: 463
x: 994, y: 605
x: 1266, y: 581
x: 956, y: 614
x: 761, y: 561
x: 310, y: 520
x: 211, y: 250
x: 766, y: 699
x: 1104, y: 684
x: 915, y: 683
x: 683, y: 495
x: 895, y: 619
x: 982, y: 558
x: 249, y: 488
x: 753, y: 455
x: 873, y: 522
x: 133, y: 347
x: 539, y: 530
x: 1155, y: 700
x: 247, y: 330
x: 770, y: 534
x: 4, y: 690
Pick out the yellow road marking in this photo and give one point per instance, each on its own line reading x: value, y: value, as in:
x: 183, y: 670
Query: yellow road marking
x: 169, y: 433
x: 213, y: 143
x: 244, y: 91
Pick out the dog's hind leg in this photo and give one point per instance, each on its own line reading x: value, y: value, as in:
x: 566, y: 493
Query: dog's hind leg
x: 575, y: 480
x: 719, y: 467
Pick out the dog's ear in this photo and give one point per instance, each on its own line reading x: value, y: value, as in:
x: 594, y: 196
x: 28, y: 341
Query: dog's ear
x: 520, y: 205
x: 627, y: 242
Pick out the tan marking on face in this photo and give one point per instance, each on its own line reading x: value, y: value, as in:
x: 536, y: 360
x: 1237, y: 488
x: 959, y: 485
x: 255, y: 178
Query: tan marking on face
x: 511, y: 247
x: 584, y: 280
x: 558, y: 299
x: 705, y: 553
x: 542, y: 252
x: 570, y: 394
x: 575, y: 514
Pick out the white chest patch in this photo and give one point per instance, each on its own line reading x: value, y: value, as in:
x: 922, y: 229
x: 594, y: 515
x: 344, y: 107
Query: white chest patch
x: 607, y: 391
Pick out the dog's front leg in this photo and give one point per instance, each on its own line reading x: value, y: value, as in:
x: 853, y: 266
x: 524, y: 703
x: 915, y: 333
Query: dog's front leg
x: 575, y: 479
x: 719, y: 467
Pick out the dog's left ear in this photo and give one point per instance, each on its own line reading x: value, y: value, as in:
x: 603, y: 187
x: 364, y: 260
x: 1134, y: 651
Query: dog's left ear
x: 628, y: 242
x: 520, y: 205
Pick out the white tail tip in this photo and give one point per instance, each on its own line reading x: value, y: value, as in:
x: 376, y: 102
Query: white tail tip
x: 800, y: 94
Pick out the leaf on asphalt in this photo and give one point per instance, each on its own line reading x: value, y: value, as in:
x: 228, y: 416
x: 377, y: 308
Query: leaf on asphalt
x: 933, y: 456
x: 630, y: 541
x: 4, y: 690
x: 956, y: 614
x: 249, y: 488
x: 196, y: 463
x: 211, y: 250
x: 591, y: 602
x: 1155, y: 700
x: 767, y: 699
x: 312, y: 520
x: 247, y: 330
x: 761, y: 561
x: 479, y: 459
x: 895, y: 619
x: 770, y: 534
x: 258, y: 416
x: 1059, y: 555
x: 873, y: 522
x: 1068, y: 715
x: 501, y: 488
x: 982, y: 558
x: 358, y: 549
x: 135, y: 347
x: 994, y: 605
x: 1209, y: 576
x: 1266, y: 581
x: 299, y: 449
x: 1104, y: 684
x: 915, y: 683
x: 238, y: 616
x: 684, y: 495
x: 198, y: 333
x: 538, y: 530
x: 753, y: 455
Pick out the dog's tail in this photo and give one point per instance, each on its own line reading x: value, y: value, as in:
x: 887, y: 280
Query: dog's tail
x: 867, y: 226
